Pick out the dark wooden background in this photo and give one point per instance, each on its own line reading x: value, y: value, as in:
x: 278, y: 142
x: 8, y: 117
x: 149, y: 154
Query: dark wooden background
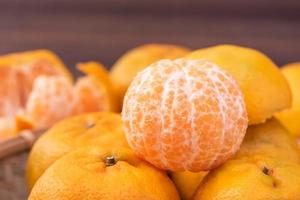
x: 102, y: 30
x: 82, y: 30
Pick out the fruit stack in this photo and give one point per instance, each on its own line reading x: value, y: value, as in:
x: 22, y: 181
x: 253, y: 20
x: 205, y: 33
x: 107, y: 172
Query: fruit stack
x: 37, y: 90
x: 217, y: 123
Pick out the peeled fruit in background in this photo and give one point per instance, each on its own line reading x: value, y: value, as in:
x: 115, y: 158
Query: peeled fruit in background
x: 37, y: 91
x: 93, y: 92
x: 49, y: 94
x: 187, y: 182
x: 10, y: 97
x: 184, y: 114
x: 135, y: 60
x: 290, y: 118
x: 29, y: 65
x: 101, y: 129
x: 265, y: 89
x: 103, y: 174
x: 37, y: 60
x: 40, y: 67
x: 18, y: 73
x: 270, y: 139
x: 49, y: 101
x: 252, y: 178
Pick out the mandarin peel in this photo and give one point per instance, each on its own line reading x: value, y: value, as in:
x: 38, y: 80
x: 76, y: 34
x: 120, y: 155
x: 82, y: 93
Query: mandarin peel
x: 184, y: 115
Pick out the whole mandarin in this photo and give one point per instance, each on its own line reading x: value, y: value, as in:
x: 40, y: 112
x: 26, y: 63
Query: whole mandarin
x: 264, y: 87
x: 184, y: 115
x: 94, y: 129
x: 270, y: 139
x: 137, y: 59
x: 258, y: 177
x: 187, y: 182
x: 103, y: 174
x: 290, y: 117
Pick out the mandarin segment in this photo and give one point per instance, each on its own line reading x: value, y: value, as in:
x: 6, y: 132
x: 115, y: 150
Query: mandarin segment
x: 30, y: 71
x: 50, y: 101
x: 88, y: 97
x: 184, y: 115
x: 93, y: 92
x: 10, y: 101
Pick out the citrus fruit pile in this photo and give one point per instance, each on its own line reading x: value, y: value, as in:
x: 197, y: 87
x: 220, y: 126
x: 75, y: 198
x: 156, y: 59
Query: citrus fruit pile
x: 217, y: 123
x: 37, y: 90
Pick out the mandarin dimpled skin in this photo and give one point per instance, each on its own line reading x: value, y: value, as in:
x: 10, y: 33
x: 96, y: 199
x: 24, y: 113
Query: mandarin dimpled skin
x: 184, y: 115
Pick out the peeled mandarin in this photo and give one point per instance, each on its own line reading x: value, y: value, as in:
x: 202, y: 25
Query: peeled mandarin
x: 265, y: 89
x: 184, y: 115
